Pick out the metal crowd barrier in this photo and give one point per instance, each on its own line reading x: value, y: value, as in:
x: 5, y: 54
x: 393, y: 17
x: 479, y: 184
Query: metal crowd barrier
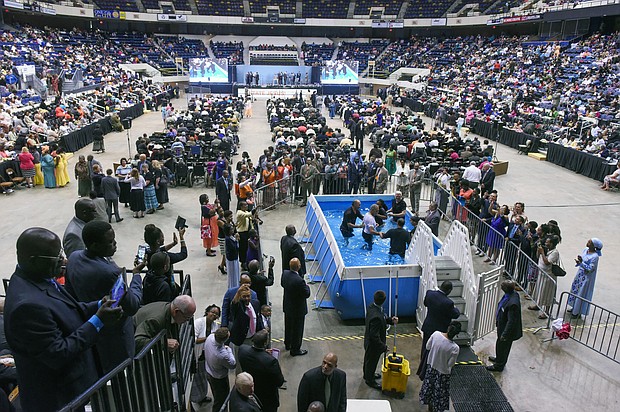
x: 153, y: 380
x: 599, y: 330
x: 537, y: 285
x: 139, y: 384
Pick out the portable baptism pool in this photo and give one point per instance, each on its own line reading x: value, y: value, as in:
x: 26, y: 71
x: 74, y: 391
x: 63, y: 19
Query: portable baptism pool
x: 350, y: 273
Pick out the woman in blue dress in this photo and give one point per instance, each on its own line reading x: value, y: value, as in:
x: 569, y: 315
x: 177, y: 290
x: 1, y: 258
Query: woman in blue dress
x: 583, y: 284
x: 48, y: 167
x: 497, y: 233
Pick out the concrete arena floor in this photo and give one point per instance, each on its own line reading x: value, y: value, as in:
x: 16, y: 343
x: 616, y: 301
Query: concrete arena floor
x: 539, y: 375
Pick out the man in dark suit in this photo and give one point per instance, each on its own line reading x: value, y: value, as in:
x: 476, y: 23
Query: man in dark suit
x: 85, y: 211
x: 326, y: 384
x: 157, y: 316
x: 296, y: 291
x: 488, y: 178
x: 223, y: 186
x: 91, y: 275
x: 439, y: 314
x: 509, y: 326
x: 51, y: 334
x: 245, y: 319
x: 290, y: 248
x: 432, y: 218
x: 242, y: 397
x: 111, y: 192
x: 244, y: 279
x: 260, y: 282
x: 374, y: 337
x: 264, y: 368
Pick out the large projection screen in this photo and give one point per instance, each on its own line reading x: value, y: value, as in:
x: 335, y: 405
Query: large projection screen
x: 207, y: 70
x: 340, y: 72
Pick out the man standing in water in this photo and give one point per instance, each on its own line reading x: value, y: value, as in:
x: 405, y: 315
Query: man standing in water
x: 349, y: 219
x: 370, y: 223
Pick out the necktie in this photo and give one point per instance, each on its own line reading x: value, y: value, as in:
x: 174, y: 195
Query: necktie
x: 328, y: 391
x: 248, y: 310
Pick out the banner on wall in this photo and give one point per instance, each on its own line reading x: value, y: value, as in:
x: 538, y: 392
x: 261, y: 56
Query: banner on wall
x: 109, y: 14
x: 172, y: 17
x: 439, y: 22
x: 515, y: 19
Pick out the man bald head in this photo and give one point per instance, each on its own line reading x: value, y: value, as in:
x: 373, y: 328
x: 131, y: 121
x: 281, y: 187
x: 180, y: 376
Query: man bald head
x: 85, y: 209
x: 330, y: 362
x: 183, y: 308
x: 253, y: 266
x: 295, y: 265
x: 245, y: 280
x: 37, y: 250
x: 316, y: 406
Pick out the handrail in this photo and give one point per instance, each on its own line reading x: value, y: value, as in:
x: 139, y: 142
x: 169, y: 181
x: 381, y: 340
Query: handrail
x: 420, y: 252
x: 456, y: 246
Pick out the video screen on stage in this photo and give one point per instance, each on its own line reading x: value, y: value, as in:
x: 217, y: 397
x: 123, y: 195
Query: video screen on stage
x: 207, y: 70
x: 340, y: 72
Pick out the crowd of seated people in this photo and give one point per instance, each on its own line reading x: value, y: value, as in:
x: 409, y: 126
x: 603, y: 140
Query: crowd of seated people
x: 231, y: 50
x: 361, y: 51
x: 542, y: 88
x: 179, y: 46
x: 314, y: 54
x: 123, y: 5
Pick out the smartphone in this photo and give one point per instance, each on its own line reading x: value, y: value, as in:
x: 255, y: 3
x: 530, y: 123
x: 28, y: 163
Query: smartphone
x: 141, y: 254
x: 118, y: 289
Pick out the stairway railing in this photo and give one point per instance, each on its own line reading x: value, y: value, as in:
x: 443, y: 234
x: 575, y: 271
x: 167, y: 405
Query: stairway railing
x: 456, y: 246
x: 420, y: 252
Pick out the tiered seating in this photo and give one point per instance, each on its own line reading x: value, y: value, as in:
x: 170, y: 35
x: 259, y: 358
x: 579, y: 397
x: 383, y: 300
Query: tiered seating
x: 185, y: 48
x: 326, y: 9
x: 182, y: 5
x: 260, y: 6
x: 361, y: 52
x: 427, y: 9
x: 151, y: 4
x: 233, y: 51
x: 123, y: 5
x: 315, y: 53
x: 220, y: 8
x: 392, y: 7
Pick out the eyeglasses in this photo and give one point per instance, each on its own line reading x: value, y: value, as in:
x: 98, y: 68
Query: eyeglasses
x: 61, y: 256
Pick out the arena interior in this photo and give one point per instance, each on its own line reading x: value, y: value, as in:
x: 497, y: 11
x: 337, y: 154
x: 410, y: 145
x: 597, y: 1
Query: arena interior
x: 488, y: 117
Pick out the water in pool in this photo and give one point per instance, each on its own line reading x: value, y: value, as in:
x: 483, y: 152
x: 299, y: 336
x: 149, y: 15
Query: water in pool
x: 352, y: 253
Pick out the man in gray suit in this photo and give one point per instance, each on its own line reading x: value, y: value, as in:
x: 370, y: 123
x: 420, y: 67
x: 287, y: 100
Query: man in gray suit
x: 111, y: 191
x: 157, y: 316
x: 381, y: 178
x: 90, y: 276
x: 85, y: 211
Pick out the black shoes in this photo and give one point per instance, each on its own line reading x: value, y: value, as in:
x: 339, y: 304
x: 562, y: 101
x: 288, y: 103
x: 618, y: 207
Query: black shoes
x: 377, y: 376
x: 495, y: 368
x: 374, y: 384
x: 492, y: 359
x: 301, y: 352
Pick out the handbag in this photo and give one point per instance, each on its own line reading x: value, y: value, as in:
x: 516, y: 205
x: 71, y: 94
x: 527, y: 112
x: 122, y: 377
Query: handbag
x: 205, y: 232
x: 558, y: 270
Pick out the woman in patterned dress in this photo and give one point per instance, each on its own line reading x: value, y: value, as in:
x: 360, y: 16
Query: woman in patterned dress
x: 442, y: 355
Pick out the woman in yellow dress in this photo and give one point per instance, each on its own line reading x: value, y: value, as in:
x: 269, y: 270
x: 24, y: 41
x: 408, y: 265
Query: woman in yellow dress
x: 38, y: 173
x: 62, y: 174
